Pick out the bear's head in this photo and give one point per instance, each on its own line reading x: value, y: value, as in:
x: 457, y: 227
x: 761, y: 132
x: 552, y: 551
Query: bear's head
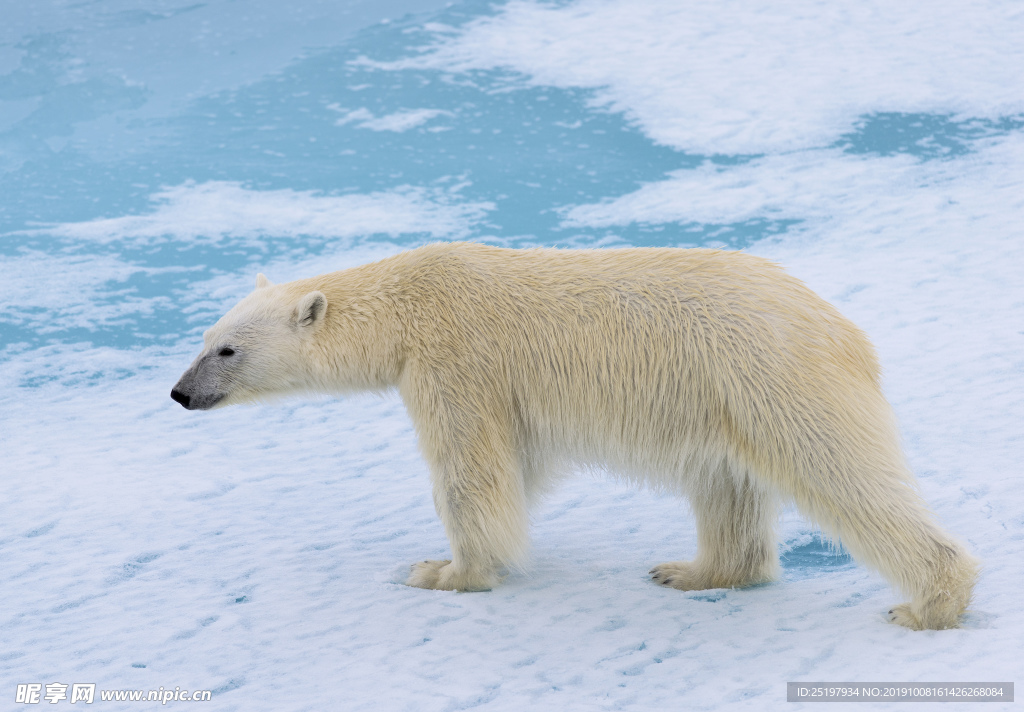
x: 257, y: 350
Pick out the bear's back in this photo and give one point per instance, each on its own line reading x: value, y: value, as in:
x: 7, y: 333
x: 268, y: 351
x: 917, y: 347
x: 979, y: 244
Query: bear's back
x: 608, y: 351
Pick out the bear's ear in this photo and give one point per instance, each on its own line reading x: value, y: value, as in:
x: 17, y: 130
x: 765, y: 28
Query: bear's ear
x: 262, y: 281
x: 310, y: 309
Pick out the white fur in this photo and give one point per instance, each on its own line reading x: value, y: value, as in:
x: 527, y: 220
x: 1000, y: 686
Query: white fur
x: 714, y: 374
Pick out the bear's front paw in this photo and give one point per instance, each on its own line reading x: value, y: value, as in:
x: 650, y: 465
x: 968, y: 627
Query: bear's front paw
x: 440, y: 576
x: 904, y: 616
x: 425, y: 574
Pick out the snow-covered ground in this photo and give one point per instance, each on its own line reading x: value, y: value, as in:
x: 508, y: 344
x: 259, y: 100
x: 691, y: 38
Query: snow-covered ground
x: 875, y: 150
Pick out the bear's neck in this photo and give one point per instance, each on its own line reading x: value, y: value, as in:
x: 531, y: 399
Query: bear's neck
x: 361, y: 345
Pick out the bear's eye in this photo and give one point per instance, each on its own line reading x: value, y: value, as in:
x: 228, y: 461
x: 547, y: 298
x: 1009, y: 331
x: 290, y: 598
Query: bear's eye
x: 226, y: 351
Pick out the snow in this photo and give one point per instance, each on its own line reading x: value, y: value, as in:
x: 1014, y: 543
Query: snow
x: 218, y: 209
x: 398, y: 122
x: 749, y: 76
x: 259, y: 551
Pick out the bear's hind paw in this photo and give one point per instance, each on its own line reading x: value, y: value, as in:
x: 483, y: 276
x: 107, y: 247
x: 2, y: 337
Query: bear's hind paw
x: 904, y: 616
x: 679, y: 574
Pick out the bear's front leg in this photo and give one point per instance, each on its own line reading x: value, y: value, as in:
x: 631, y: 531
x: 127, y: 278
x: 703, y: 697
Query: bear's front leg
x: 478, y: 493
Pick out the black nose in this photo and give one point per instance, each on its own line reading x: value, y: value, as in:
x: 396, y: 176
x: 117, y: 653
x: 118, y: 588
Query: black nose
x: 180, y: 397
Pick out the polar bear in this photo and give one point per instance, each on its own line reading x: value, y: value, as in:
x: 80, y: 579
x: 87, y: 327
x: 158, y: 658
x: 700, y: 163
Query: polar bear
x: 711, y: 373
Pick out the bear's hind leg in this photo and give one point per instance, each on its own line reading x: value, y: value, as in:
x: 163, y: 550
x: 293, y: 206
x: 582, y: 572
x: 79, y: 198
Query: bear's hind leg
x: 736, y: 536
x: 877, y: 514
